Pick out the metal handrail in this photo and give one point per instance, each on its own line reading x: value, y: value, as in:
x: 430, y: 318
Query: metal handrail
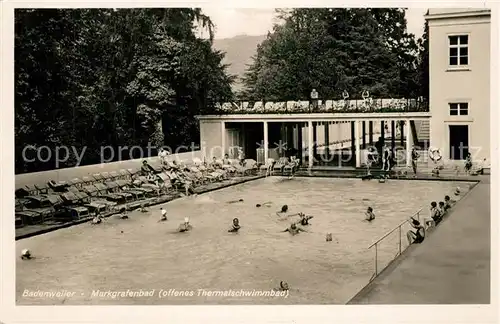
x: 399, y: 245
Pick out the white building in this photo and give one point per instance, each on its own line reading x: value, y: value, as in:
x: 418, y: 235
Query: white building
x: 459, y: 71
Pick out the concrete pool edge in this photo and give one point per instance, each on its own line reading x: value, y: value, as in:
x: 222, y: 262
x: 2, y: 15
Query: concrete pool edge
x: 393, y: 264
x: 352, y: 176
x: 52, y: 228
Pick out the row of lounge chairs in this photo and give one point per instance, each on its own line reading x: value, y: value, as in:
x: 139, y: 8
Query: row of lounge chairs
x: 110, y: 192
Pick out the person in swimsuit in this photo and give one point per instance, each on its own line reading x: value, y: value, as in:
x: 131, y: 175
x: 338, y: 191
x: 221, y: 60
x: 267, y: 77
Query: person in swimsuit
x: 284, y: 210
x: 163, y: 215
x: 26, y: 255
x: 442, y: 209
x: 235, y: 201
x: 417, y: 236
x: 468, y: 164
x: 448, y: 202
x: 369, y: 214
x: 294, y: 230
x: 185, y: 227
x: 304, y: 220
x: 414, y: 159
x: 267, y: 204
x: 434, y: 215
x: 236, y: 226
x: 97, y: 220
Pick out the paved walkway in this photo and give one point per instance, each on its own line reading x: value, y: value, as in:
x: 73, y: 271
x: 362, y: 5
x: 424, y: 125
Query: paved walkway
x: 452, y: 266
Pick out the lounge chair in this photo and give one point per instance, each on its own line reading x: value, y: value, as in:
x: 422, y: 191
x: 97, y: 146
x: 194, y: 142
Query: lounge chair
x: 98, y: 177
x: 57, y: 187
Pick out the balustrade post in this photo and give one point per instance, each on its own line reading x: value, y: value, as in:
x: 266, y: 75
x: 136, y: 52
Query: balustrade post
x: 399, y: 240
x: 376, y: 258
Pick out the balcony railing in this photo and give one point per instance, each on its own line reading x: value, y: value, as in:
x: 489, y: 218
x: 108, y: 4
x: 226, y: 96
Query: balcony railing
x: 326, y: 106
x: 401, y: 247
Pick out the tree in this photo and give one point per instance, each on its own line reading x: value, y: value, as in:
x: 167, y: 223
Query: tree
x: 423, y: 62
x: 331, y: 50
x: 103, y: 77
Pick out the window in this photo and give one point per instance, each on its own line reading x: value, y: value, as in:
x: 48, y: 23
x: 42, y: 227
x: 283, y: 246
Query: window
x: 459, y: 50
x: 459, y: 109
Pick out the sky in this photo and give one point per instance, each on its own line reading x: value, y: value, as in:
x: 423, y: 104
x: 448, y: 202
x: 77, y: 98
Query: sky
x: 231, y: 22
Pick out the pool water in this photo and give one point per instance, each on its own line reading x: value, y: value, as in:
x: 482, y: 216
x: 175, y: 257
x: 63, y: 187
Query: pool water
x: 142, y: 254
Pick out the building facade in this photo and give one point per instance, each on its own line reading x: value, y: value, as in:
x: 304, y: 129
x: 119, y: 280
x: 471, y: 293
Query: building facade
x: 459, y: 85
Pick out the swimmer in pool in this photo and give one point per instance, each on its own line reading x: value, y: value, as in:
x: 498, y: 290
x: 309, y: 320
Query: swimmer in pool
x: 369, y: 215
x: 235, y: 201
x: 185, y: 227
x: 294, y: 230
x: 97, y: 220
x: 304, y: 220
x: 26, y: 254
x: 267, y: 204
x: 163, y: 215
x: 284, y: 210
x: 236, y: 226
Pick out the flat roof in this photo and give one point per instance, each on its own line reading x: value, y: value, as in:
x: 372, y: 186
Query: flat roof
x: 316, y: 117
x: 447, y: 13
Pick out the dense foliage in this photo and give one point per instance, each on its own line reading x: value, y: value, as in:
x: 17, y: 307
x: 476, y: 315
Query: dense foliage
x: 103, y: 77
x: 335, y: 49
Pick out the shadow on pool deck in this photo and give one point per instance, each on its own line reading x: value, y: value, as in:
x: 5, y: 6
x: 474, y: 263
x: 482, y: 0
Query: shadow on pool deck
x: 452, y: 266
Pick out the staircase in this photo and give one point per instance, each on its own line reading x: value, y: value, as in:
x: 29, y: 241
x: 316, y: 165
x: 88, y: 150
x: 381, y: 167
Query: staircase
x: 422, y: 129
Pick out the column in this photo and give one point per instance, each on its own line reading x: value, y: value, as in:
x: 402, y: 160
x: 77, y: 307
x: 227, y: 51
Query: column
x: 353, y: 137
x: 409, y: 140
x: 266, y: 142
x: 310, y: 143
x: 315, y: 138
x: 363, y: 131
x: 223, y: 139
x: 393, y: 136
x: 370, y: 132
x: 402, y: 132
x: 327, y: 140
x: 299, y: 142
x: 357, y: 143
x: 382, y: 131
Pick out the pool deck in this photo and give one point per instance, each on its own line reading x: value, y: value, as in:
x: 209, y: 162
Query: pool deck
x: 452, y: 266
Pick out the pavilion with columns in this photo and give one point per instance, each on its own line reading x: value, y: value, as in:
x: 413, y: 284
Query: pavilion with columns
x: 318, y: 135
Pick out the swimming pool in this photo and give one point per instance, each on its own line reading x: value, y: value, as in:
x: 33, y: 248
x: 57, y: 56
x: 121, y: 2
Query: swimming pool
x: 150, y: 256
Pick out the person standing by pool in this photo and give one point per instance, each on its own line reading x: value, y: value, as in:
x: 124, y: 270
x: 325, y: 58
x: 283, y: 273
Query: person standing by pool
x: 236, y: 226
x: 414, y: 159
x: 417, y: 236
x: 468, y: 164
x: 369, y: 215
